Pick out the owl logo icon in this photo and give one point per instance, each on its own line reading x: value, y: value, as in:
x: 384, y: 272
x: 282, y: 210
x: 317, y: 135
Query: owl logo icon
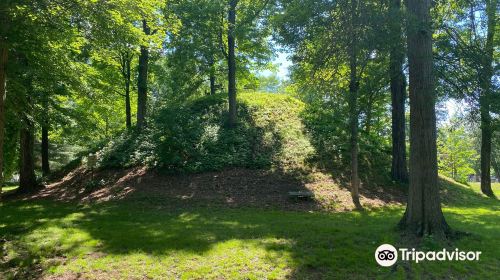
x: 386, y: 255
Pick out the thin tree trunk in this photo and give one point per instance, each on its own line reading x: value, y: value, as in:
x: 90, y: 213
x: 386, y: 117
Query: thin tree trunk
x: 231, y: 61
x: 3, y: 82
x: 45, y: 136
x: 423, y: 214
x: 45, y: 141
x: 369, y: 113
x: 45, y: 151
x: 142, y: 83
x: 126, y: 61
x: 212, y: 76
x: 354, y: 123
x: 128, y: 110
x: 3, y: 63
x: 486, y: 135
x: 212, y: 83
x: 27, y: 177
x: 399, y: 171
x: 485, y: 76
x: 353, y: 108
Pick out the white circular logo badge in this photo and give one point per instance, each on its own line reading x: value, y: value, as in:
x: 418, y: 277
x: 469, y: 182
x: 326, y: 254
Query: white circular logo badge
x: 386, y: 255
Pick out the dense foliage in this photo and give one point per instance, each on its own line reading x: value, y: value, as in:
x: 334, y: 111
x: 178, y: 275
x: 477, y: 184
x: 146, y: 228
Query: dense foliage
x: 365, y: 117
x: 82, y: 76
x: 456, y: 153
x: 193, y: 136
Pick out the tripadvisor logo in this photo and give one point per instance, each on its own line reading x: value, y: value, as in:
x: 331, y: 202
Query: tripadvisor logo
x: 387, y: 255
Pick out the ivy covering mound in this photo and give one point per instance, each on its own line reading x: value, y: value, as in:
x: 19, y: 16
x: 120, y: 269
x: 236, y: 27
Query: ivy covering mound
x: 194, y: 137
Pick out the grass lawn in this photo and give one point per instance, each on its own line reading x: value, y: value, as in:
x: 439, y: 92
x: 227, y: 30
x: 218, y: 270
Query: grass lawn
x: 138, y: 240
x: 494, y: 186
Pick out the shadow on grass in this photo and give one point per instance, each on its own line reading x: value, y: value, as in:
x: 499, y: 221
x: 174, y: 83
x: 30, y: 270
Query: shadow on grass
x: 297, y: 245
x: 316, y: 244
x: 459, y: 195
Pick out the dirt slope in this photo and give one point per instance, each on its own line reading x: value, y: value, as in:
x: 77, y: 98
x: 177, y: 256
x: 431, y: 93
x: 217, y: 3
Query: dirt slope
x: 232, y: 187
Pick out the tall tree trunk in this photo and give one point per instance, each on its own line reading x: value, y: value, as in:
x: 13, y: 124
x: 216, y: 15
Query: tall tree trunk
x: 399, y: 171
x: 127, y: 76
x: 3, y: 81
x: 485, y: 76
x: 212, y: 76
x: 353, y: 107
x: 45, y: 140
x: 231, y: 63
x: 27, y: 178
x: 212, y: 83
x: 142, y: 82
x: 423, y: 214
x: 3, y: 63
x: 45, y: 151
x: 369, y: 113
x: 486, y: 135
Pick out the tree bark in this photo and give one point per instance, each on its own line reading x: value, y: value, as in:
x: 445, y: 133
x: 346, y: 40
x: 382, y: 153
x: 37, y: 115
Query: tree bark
x: 45, y: 136
x: 485, y: 76
x: 212, y: 83
x: 423, y: 214
x: 3, y: 63
x: 27, y: 178
x: 353, y: 107
x: 126, y: 73
x: 142, y: 83
x: 369, y: 113
x: 399, y: 171
x: 212, y: 76
x: 486, y: 136
x: 3, y: 82
x: 45, y: 151
x: 231, y: 62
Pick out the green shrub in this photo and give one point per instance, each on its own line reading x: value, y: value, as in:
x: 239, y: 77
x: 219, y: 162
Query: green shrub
x: 274, y: 131
x: 129, y: 149
x: 193, y: 137
x: 328, y: 128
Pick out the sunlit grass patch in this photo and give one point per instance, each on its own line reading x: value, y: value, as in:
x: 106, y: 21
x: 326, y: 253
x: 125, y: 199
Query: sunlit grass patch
x: 494, y: 186
x: 122, y: 240
x: 9, y: 188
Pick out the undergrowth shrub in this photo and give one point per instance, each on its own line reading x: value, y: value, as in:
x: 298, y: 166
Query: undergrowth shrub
x: 274, y: 131
x: 328, y: 128
x: 129, y: 149
x: 194, y: 137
